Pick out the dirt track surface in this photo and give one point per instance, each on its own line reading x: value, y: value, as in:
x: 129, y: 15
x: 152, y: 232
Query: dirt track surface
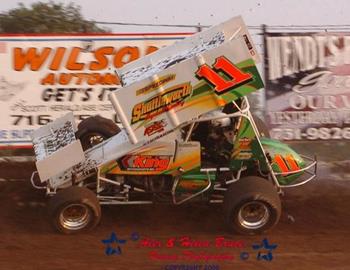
x: 318, y: 239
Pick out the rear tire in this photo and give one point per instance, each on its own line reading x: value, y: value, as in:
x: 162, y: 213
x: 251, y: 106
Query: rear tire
x: 251, y: 206
x: 94, y: 130
x: 74, y: 210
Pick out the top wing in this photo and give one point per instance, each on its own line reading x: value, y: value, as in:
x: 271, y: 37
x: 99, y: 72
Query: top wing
x: 152, y: 107
x: 198, y: 43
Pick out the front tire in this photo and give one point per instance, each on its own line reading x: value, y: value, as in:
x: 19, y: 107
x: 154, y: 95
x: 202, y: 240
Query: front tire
x: 74, y: 210
x: 251, y: 206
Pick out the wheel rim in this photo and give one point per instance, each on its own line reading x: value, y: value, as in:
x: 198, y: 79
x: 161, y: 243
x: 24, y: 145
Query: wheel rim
x: 75, y: 217
x: 253, y: 215
x: 94, y: 139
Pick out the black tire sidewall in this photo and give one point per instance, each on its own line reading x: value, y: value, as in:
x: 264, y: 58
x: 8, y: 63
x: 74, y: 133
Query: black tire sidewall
x: 249, y: 189
x: 237, y: 227
x: 96, y: 125
x: 70, y: 196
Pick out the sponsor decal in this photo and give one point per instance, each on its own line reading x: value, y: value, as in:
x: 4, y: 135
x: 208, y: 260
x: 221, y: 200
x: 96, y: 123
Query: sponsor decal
x: 156, y: 84
x: 244, y: 143
x: 286, y: 164
x: 191, y: 185
x: 188, y: 145
x: 249, y: 45
x: 169, y: 99
x: 220, y: 83
x: 243, y: 151
x: 244, y: 155
x: 155, y: 127
x: 146, y: 163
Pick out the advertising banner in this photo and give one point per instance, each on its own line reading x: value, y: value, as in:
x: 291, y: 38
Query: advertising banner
x: 307, y: 79
x: 45, y: 76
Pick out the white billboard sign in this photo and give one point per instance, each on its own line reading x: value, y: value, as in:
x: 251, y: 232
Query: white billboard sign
x: 42, y: 77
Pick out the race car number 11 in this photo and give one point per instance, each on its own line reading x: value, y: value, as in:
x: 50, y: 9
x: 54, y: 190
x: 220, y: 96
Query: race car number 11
x: 221, y: 85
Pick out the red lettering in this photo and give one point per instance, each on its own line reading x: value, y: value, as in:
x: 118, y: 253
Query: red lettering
x: 151, y: 49
x: 49, y: 79
x: 221, y: 242
x: 151, y: 243
x: 163, y: 164
x: 72, y: 62
x: 31, y: 57
x: 126, y: 55
x: 149, y: 162
x: 65, y: 78
x: 57, y: 59
x: 220, y: 84
x: 188, y: 242
x: 138, y: 162
x: 101, y: 59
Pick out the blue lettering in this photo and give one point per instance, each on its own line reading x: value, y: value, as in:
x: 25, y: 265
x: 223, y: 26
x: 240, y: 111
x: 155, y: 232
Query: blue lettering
x: 3, y: 134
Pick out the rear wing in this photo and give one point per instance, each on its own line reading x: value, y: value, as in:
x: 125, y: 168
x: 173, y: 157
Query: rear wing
x: 185, y: 80
x: 161, y: 92
x: 187, y: 48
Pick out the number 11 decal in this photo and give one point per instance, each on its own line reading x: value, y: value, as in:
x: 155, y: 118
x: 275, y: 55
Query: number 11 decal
x: 221, y: 85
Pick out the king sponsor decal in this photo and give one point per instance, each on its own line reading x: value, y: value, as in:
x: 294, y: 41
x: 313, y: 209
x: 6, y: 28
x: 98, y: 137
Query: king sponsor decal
x: 169, y: 99
x: 146, y: 163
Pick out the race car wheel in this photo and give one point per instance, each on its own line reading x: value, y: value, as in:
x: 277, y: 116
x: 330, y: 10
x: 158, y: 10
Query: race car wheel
x: 94, y: 130
x: 90, y: 139
x: 74, y: 210
x: 251, y: 206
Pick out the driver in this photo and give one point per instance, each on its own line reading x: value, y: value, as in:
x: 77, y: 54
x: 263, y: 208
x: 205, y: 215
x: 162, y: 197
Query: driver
x: 220, y: 139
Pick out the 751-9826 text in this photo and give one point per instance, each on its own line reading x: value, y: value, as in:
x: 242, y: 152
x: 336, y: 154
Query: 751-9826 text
x: 311, y: 133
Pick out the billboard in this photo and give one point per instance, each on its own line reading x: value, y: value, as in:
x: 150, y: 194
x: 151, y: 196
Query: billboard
x: 307, y: 78
x: 44, y: 76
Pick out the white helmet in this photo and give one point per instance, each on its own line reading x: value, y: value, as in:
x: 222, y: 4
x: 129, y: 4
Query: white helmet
x: 220, y: 122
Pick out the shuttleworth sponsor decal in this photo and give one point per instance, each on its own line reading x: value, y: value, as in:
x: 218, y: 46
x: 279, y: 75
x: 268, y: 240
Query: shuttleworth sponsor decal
x: 170, y: 98
x: 308, y: 85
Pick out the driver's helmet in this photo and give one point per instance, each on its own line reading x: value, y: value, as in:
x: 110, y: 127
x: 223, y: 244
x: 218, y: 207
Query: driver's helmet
x: 220, y: 122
